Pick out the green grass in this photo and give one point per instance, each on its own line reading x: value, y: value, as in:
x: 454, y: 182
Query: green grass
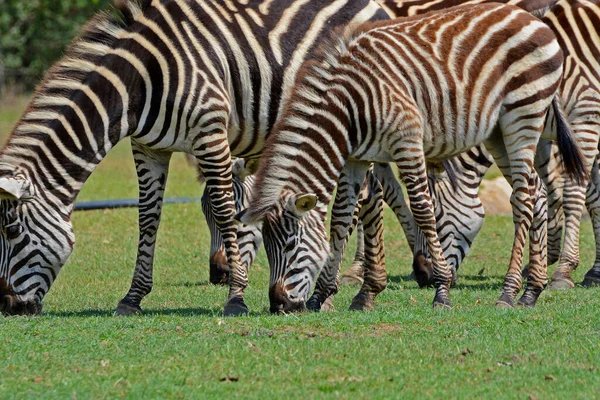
x: 183, y: 348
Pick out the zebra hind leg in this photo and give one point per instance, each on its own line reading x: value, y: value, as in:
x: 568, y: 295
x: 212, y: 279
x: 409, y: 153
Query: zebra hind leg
x: 515, y: 158
x: 375, y: 275
x: 152, y: 170
x: 538, y: 266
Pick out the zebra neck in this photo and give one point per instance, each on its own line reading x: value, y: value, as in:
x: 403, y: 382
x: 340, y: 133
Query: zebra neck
x: 60, y: 141
x: 306, y: 155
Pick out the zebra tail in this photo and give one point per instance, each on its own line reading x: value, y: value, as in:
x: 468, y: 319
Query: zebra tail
x: 572, y: 159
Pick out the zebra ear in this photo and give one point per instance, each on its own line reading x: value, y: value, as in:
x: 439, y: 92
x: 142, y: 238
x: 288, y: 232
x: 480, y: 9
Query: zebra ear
x: 13, y: 189
x: 304, y: 203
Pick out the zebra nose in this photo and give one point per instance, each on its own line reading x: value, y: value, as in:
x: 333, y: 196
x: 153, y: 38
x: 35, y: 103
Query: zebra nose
x: 277, y: 298
x: 423, y: 270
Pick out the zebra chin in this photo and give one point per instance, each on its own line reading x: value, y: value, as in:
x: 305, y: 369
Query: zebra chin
x: 11, y: 305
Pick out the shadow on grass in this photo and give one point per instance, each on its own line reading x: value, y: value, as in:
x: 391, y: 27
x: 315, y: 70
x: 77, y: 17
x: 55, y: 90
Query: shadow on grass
x: 180, y: 312
x: 190, y: 284
x: 477, y: 282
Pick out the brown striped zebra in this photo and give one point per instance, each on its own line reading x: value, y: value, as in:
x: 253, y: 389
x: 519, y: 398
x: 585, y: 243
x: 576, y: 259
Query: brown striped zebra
x: 203, y: 77
x: 377, y: 96
x: 576, y: 26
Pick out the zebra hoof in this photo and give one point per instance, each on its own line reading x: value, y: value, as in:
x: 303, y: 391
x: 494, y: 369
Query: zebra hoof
x: 362, y: 302
x: 591, y: 278
x: 530, y: 297
x: 441, y: 301
x: 126, y: 309
x: 314, y: 303
x: 327, y: 305
x: 561, y: 281
x: 235, y: 307
x: 505, y: 301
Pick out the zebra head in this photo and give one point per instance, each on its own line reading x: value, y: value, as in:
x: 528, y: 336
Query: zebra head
x: 296, y: 244
x: 35, y: 242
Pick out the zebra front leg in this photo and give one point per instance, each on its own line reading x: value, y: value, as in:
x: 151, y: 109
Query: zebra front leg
x: 218, y: 267
x: 342, y: 217
x: 152, y: 170
x: 394, y: 198
x: 375, y: 275
x: 592, y: 277
x: 538, y: 266
x: 413, y: 172
x: 217, y: 169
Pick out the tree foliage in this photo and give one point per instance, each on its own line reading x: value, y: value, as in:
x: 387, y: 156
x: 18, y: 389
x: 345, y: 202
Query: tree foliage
x: 34, y: 34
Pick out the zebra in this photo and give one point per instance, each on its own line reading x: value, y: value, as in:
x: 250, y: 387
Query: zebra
x: 571, y: 15
x: 345, y: 110
x: 201, y: 77
x: 465, y: 211
x: 573, y: 22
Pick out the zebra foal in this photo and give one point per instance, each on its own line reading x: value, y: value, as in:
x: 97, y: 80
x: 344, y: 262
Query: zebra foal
x: 378, y: 95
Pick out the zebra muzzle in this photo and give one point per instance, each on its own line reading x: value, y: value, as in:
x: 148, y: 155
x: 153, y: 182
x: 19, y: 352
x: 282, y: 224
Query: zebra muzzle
x: 6, y: 304
x: 10, y: 305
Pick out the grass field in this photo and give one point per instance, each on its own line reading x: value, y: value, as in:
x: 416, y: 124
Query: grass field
x: 183, y: 348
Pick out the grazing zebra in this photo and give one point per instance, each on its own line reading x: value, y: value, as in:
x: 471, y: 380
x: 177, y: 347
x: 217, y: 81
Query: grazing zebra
x: 575, y: 24
x: 202, y: 77
x: 377, y: 96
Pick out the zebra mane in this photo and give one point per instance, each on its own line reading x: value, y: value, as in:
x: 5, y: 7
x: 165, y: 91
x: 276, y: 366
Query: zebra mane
x: 93, y: 42
x: 272, y: 176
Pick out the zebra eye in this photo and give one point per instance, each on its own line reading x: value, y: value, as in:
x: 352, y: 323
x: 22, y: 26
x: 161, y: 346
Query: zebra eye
x: 13, y: 231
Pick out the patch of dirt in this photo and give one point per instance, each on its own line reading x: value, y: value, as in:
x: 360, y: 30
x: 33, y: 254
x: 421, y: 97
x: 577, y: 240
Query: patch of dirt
x: 495, y: 196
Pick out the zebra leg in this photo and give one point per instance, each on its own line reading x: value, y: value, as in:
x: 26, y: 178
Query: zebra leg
x: 394, y: 198
x: 586, y: 128
x: 547, y: 159
x: 342, y: 217
x: 152, y: 170
x: 538, y: 266
x: 375, y: 275
x: 411, y: 164
x: 219, y: 269
x: 573, y: 201
x: 516, y: 161
x: 592, y: 277
x: 354, y: 274
x: 217, y: 169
